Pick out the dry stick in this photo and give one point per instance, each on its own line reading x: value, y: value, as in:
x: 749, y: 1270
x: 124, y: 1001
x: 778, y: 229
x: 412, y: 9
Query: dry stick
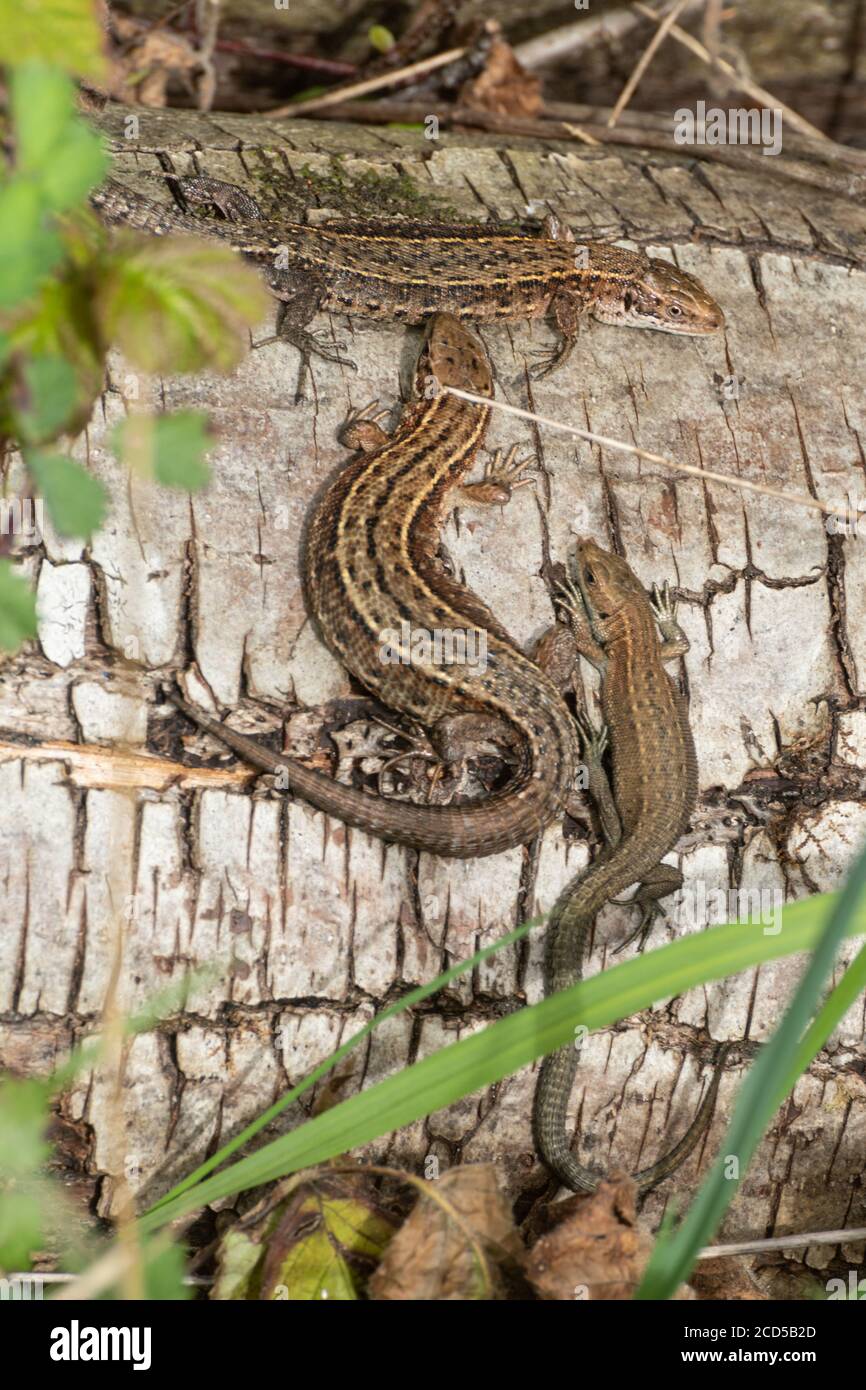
x: 711, y: 26
x: 572, y: 38
x: 799, y: 499
x: 370, y: 84
x: 756, y: 1247
x: 328, y: 66
x: 109, y: 1267
x: 644, y: 61
x: 744, y: 83
x: 580, y: 134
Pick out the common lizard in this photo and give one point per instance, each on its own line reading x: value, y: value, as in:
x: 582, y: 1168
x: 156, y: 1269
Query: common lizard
x: 410, y: 270
x: 655, y: 782
x: 371, y: 565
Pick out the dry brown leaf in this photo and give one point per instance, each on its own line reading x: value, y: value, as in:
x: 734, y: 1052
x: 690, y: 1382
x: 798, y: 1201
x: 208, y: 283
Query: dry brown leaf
x: 595, y: 1249
x: 431, y: 1256
x: 145, y: 61
x: 503, y: 86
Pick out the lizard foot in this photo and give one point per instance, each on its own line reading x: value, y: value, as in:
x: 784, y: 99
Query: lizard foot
x: 501, y: 477
x: 567, y: 595
x: 663, y: 606
x: 361, y: 430
x: 310, y: 345
x: 547, y: 360
x: 594, y: 740
x: 647, y: 918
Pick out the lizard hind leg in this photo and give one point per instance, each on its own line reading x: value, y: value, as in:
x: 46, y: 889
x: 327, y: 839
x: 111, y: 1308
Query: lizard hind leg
x: 659, y: 883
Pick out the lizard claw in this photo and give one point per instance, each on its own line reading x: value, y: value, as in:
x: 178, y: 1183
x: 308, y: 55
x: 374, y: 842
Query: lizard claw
x: 501, y: 478
x: 550, y: 358
x: 663, y: 606
x: 594, y: 740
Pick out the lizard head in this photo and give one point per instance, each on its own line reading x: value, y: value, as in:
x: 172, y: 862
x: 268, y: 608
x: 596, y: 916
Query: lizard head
x: 455, y: 356
x: 605, y: 581
x: 665, y: 298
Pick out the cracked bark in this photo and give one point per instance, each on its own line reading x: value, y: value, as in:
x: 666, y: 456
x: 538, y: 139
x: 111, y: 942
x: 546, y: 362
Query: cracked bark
x: 323, y: 923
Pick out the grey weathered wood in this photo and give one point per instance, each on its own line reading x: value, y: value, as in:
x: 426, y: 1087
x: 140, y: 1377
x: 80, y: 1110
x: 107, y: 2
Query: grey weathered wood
x: 322, y: 922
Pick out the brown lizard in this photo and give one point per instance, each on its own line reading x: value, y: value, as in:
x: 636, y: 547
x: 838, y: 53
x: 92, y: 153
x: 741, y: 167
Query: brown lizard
x: 408, y: 270
x: 371, y: 566
x: 655, y: 782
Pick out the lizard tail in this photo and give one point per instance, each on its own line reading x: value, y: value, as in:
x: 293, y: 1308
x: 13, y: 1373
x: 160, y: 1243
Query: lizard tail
x: 460, y: 832
x: 565, y: 946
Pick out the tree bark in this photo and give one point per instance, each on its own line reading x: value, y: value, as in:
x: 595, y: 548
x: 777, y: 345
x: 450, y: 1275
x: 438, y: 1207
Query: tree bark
x: 105, y: 831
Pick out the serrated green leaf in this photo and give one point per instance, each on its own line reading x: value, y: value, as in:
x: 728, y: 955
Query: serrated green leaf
x: 178, y: 305
x: 169, y: 448
x: 64, y: 33
x: 52, y: 145
x: 29, y: 249
x: 59, y: 323
x: 47, y: 400
x: 76, y: 502
x: 17, y: 608
x: 380, y: 38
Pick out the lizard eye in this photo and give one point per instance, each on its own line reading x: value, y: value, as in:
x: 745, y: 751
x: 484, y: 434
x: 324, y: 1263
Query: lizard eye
x: 674, y: 311
x: 589, y: 576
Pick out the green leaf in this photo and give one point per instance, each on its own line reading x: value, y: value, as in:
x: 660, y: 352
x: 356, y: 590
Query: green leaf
x: 408, y: 1001
x: 21, y: 1224
x: 380, y: 38
x: 29, y: 250
x: 17, y: 608
x: 23, y: 1121
x: 169, y: 448
x: 164, y: 1271
x: 64, y: 33
x: 47, y: 399
x: 504, y: 1047
x: 76, y: 502
x: 80, y: 164
x: 59, y: 323
x: 177, y: 304
x: 42, y: 111
x: 64, y: 157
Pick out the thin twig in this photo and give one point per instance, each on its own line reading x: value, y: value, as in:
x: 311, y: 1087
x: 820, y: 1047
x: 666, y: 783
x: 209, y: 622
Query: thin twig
x: 581, y: 34
x: 644, y: 61
x: 745, y: 84
x: 328, y: 66
x: 757, y: 1247
x: 580, y: 134
x: 371, y: 84
x: 799, y: 499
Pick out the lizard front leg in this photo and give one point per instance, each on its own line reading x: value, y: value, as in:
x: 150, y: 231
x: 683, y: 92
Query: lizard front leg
x: 664, y: 608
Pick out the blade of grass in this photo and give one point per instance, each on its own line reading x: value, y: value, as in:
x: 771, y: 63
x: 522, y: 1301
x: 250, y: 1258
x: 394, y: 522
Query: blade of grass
x: 414, y: 996
x: 511, y: 1043
x: 765, y: 1086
